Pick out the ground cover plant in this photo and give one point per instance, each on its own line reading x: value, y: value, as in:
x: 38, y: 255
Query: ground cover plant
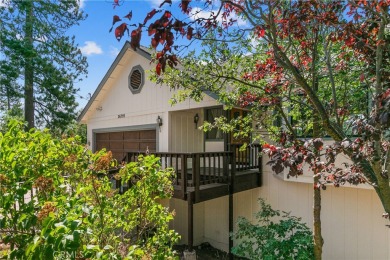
x: 58, y: 203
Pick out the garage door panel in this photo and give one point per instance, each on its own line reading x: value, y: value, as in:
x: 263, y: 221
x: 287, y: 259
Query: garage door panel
x: 148, y: 134
x: 116, y: 144
x: 131, y: 135
x: 102, y: 144
x: 128, y: 141
x: 116, y: 136
x: 149, y: 145
x: 118, y: 155
x: 102, y: 136
x: 131, y: 145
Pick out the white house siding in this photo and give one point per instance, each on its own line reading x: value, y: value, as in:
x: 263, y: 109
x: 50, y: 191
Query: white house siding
x: 352, y: 223
x: 180, y: 222
x: 214, y: 146
x: 184, y: 136
x: 140, y: 109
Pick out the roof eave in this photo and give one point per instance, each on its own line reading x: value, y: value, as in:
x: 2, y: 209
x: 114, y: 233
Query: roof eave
x: 126, y: 46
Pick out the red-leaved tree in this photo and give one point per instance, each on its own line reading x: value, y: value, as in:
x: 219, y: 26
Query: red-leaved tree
x: 305, y: 69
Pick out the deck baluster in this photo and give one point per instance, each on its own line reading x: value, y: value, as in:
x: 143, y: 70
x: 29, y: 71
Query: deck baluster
x: 214, y: 168
x: 196, y: 171
x: 220, y: 177
x: 209, y: 169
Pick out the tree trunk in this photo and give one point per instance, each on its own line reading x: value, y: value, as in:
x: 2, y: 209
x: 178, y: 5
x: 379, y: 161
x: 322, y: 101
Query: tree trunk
x: 382, y: 187
x: 29, y: 68
x: 317, y: 234
x: 383, y: 191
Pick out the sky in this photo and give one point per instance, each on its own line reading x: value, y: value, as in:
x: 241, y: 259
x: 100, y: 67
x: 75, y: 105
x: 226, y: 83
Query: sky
x: 100, y: 47
x: 97, y: 44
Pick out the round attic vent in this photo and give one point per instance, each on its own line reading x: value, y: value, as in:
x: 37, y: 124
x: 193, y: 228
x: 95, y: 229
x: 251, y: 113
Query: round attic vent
x: 136, y: 79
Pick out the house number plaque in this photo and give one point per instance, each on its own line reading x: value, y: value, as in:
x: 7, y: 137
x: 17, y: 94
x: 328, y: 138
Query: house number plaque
x: 121, y: 116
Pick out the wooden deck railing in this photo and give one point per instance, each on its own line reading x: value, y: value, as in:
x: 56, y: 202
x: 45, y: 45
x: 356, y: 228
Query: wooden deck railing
x: 196, y: 169
x: 247, y: 158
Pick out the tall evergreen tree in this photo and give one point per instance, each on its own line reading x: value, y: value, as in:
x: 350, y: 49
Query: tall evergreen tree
x: 40, y: 62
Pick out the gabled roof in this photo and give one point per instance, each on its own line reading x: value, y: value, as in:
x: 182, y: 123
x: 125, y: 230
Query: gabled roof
x: 142, y: 51
x: 94, y: 102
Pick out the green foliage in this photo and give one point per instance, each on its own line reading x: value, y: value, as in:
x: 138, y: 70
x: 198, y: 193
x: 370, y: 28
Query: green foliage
x: 71, y: 130
x: 35, y: 41
x: 58, y: 203
x: 148, y: 185
x: 286, y: 238
x: 14, y: 113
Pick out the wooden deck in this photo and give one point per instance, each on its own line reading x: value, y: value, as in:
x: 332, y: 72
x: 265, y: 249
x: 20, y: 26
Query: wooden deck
x: 210, y: 175
x: 244, y: 180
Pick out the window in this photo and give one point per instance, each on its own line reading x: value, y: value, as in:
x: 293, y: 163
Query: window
x: 211, y: 114
x: 136, y: 79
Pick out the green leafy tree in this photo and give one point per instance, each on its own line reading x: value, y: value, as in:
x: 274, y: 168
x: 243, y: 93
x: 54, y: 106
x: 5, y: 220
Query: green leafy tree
x: 41, y: 61
x: 72, y: 129
x: 15, y: 113
x: 276, y: 235
x: 10, y: 93
x: 58, y: 201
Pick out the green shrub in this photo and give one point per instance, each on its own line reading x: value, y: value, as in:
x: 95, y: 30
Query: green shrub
x: 286, y: 238
x: 73, y: 212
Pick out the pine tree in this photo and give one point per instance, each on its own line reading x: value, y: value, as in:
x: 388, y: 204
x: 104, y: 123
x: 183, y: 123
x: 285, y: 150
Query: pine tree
x: 40, y: 62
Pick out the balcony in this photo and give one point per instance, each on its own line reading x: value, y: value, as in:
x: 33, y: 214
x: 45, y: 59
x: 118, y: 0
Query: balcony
x: 209, y: 175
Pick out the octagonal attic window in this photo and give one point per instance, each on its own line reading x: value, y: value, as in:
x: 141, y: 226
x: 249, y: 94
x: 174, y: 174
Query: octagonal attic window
x: 136, y: 79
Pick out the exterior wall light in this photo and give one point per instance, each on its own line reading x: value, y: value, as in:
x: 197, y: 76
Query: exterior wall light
x: 159, y: 122
x: 196, y: 120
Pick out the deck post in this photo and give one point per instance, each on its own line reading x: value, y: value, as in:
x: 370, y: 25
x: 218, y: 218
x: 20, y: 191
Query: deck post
x: 196, y: 175
x: 190, y: 200
x: 231, y: 205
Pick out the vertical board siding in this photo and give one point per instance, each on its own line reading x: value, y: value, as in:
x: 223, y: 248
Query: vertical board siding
x: 364, y: 226
x: 351, y: 217
x: 334, y: 217
x: 179, y: 224
x: 380, y: 240
x: 351, y: 223
x: 184, y: 136
x: 199, y: 222
x: 216, y: 227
